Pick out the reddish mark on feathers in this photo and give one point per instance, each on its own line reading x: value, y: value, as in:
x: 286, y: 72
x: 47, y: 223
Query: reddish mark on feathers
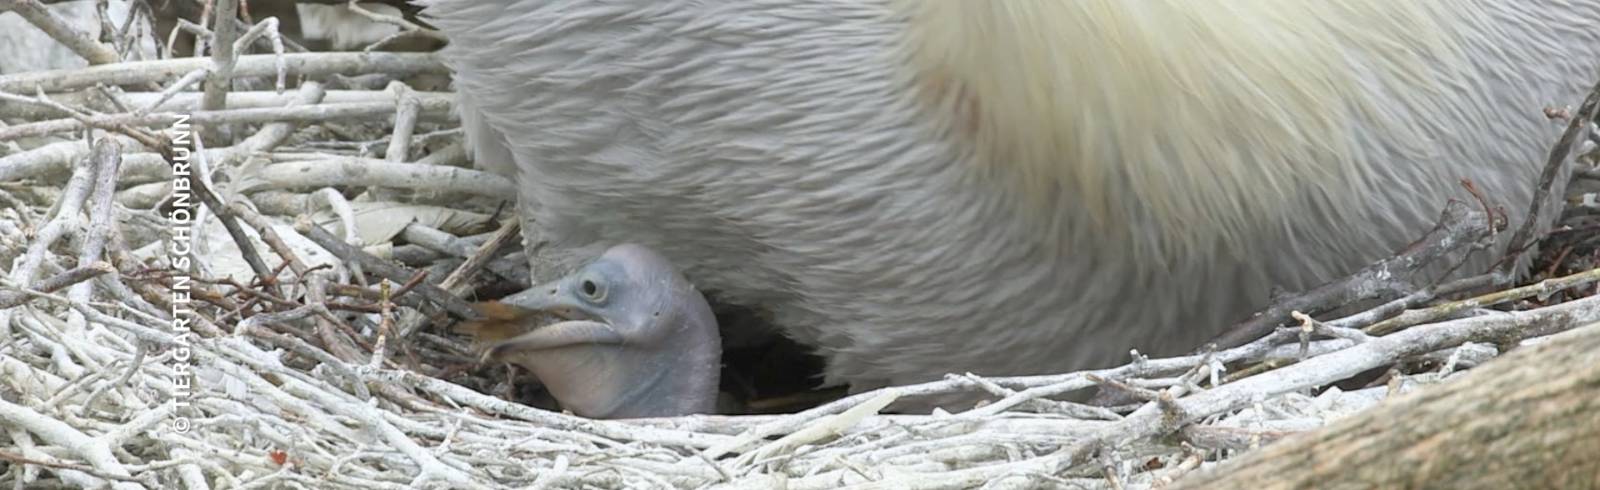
x: 949, y: 94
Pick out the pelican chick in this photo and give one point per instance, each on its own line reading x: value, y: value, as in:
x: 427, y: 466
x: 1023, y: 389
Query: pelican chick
x: 636, y: 340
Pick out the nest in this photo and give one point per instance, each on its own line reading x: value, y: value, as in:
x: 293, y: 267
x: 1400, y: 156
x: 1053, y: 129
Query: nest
x: 142, y: 347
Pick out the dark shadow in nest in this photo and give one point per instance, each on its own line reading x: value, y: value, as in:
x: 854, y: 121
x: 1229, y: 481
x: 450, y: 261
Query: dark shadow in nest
x: 765, y: 372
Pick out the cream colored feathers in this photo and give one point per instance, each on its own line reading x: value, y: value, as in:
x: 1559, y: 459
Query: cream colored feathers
x: 1200, y: 117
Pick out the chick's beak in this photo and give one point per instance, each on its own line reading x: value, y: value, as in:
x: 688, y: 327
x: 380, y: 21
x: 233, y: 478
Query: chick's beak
x: 581, y: 326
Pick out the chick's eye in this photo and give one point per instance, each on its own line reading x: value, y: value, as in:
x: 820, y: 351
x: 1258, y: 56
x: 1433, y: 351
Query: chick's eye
x: 589, y: 288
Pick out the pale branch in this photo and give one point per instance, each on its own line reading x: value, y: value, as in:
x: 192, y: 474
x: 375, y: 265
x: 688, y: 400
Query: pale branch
x: 1458, y: 226
x: 272, y: 134
x: 177, y: 99
x: 57, y: 28
x: 401, y: 22
x: 1444, y: 310
x: 1151, y: 420
x: 71, y: 276
x: 266, y: 29
x: 456, y: 283
x: 353, y: 171
x: 310, y: 113
x: 219, y: 79
x: 55, y: 159
x: 455, y: 305
x: 106, y: 158
x: 67, y: 219
x: 405, y: 123
x: 1528, y: 419
x: 310, y: 65
x: 95, y: 451
x: 486, y: 255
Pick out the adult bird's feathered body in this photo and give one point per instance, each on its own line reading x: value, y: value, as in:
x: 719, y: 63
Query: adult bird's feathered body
x: 1010, y: 187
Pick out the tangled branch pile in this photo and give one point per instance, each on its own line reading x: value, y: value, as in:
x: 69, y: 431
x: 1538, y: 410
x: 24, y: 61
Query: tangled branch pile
x: 288, y: 326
